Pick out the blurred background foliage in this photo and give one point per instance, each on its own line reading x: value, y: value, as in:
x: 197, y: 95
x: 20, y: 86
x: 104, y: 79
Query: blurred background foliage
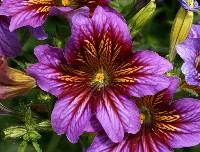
x: 154, y: 36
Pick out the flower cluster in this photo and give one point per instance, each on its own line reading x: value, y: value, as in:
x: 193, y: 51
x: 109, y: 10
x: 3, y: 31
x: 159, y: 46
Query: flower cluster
x: 101, y: 83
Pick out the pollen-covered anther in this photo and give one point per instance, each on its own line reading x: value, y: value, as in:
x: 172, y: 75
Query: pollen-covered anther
x: 65, y: 2
x: 142, y: 118
x: 100, y: 77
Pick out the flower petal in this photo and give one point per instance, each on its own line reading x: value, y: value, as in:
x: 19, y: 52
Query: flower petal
x: 189, y: 49
x: 195, y: 31
x: 105, y: 36
x: 38, y: 32
x: 141, y: 142
x: 71, y: 114
x: 26, y: 12
x: 117, y: 115
x: 141, y: 74
x: 187, y: 127
x: 9, y: 43
x: 52, y: 73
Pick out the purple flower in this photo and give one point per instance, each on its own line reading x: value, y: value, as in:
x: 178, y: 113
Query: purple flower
x: 165, y: 124
x: 35, y: 12
x: 9, y: 44
x: 97, y: 75
x: 187, y: 7
x: 189, y: 51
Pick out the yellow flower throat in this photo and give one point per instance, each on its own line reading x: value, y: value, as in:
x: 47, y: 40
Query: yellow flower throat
x: 100, y: 77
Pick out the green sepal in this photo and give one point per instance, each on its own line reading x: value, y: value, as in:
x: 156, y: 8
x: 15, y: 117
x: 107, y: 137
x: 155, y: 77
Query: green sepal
x: 36, y: 146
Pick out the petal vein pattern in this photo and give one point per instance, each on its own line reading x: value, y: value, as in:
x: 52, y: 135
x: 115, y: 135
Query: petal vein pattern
x: 98, y: 60
x: 165, y: 124
x: 71, y: 114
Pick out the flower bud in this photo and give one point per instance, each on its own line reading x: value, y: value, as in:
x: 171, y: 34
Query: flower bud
x: 180, y: 28
x: 142, y: 17
x: 13, y: 82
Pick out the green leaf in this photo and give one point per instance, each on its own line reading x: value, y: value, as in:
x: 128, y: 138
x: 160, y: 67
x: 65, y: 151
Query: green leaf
x: 36, y: 146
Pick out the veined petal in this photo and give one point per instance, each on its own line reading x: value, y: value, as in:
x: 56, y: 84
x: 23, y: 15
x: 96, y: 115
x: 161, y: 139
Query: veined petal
x: 72, y: 113
x: 93, y: 125
x: 141, y: 74
x: 189, y: 49
x: 26, y: 12
x: 141, y: 142
x: 187, y: 128
x: 9, y: 43
x: 195, y: 31
x: 103, y: 37
x: 117, y: 115
x: 52, y: 73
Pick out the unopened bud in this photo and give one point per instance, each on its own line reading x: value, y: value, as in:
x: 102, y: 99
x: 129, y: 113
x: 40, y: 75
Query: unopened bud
x: 142, y: 17
x: 13, y: 82
x: 180, y: 28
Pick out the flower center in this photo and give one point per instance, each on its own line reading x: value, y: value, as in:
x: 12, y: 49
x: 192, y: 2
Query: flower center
x: 145, y: 115
x: 142, y: 118
x: 100, y: 77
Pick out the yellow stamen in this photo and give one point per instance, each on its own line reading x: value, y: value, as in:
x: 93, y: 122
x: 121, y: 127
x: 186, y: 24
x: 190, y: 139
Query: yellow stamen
x: 142, y: 118
x: 65, y: 2
x: 99, y: 78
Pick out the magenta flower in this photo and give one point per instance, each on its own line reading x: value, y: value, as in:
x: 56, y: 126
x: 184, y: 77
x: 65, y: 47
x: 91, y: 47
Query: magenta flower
x: 97, y: 76
x: 9, y: 43
x: 166, y: 124
x: 189, y: 51
x: 35, y: 12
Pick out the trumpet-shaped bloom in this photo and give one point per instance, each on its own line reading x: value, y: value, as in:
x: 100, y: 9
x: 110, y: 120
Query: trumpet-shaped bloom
x: 13, y: 82
x: 189, y: 51
x: 9, y: 44
x: 165, y: 124
x: 35, y: 12
x: 97, y: 75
